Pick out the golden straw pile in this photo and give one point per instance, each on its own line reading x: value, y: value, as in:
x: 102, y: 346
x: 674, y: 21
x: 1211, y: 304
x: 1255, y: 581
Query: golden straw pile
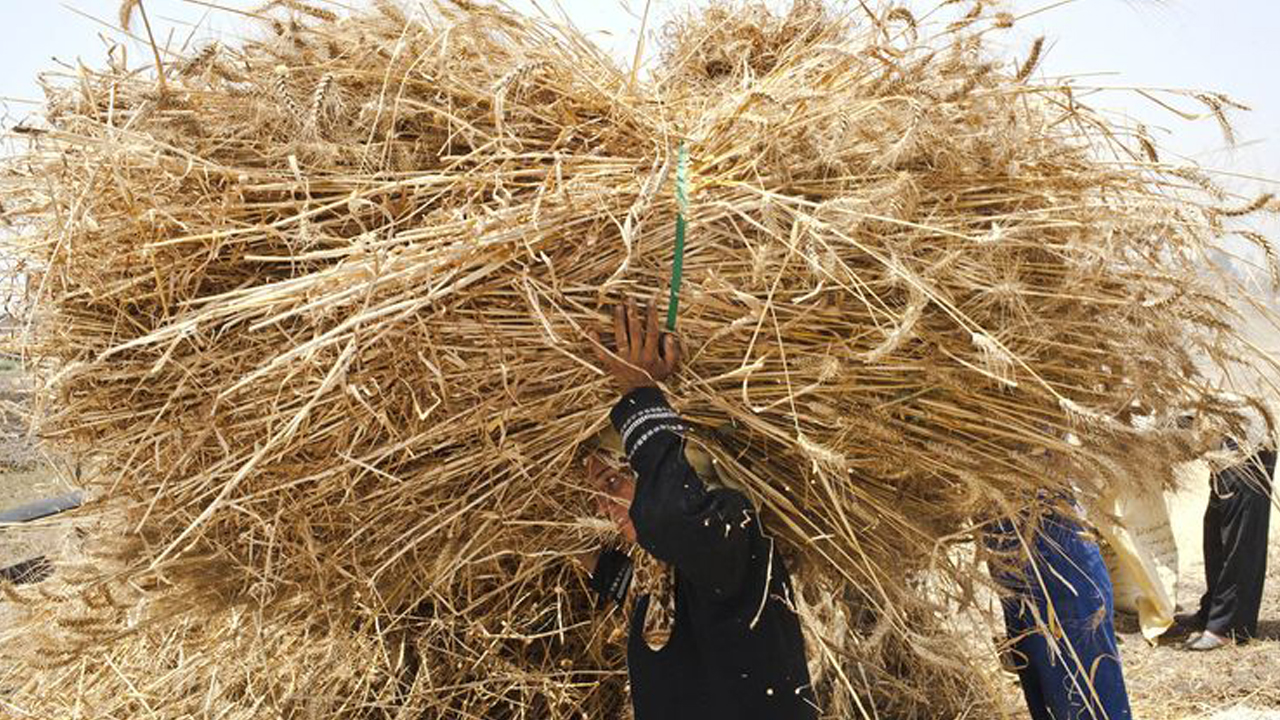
x: 317, y: 306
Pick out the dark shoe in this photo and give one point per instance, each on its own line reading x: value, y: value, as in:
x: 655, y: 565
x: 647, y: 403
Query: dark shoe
x: 1185, y: 628
x: 1206, y: 641
x: 1187, y: 624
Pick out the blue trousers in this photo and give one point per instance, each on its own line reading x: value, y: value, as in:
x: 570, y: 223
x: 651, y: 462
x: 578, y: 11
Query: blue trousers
x: 1058, y: 615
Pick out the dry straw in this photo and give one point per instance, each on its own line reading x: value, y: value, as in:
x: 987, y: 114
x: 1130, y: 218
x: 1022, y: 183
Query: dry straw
x: 318, y: 309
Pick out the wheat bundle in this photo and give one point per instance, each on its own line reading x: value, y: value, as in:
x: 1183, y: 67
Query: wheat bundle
x: 318, y: 305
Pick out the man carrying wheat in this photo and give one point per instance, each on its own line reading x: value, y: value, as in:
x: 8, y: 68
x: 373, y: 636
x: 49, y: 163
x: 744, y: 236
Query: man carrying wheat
x: 719, y: 640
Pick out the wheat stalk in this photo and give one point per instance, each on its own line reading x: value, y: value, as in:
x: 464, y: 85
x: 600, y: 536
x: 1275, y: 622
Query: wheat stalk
x: 329, y: 354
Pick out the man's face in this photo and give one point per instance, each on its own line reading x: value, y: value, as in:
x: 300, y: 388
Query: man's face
x: 616, y: 488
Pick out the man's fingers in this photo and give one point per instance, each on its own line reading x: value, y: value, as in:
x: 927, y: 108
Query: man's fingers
x: 652, y: 336
x: 620, y: 330
x: 602, y: 352
x: 608, y: 361
x: 670, y: 352
x: 636, y: 331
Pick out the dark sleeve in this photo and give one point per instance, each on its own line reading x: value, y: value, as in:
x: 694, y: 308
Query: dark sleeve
x: 706, y: 534
x: 611, y: 578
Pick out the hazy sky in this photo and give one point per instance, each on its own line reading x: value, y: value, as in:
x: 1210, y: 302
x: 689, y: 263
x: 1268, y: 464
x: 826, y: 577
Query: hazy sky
x: 1225, y: 45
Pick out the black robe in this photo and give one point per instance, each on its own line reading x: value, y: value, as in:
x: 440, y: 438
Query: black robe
x: 1235, y: 546
x: 735, y: 651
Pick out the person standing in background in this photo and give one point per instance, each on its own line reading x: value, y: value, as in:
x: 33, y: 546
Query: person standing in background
x: 1236, y: 524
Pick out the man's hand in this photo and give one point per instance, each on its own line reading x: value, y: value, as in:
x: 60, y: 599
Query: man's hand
x: 644, y: 354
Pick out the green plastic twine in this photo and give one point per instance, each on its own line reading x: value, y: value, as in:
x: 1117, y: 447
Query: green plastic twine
x: 677, y: 263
